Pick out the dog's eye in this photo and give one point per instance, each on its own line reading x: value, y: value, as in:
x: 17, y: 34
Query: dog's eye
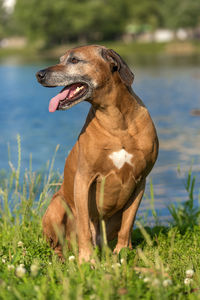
x: 73, y: 60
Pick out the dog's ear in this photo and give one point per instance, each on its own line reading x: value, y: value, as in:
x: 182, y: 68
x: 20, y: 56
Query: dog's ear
x: 118, y: 64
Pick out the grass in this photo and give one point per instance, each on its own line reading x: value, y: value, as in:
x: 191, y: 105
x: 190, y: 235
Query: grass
x: 154, y: 269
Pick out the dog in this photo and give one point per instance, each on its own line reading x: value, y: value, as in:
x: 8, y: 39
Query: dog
x: 118, y: 145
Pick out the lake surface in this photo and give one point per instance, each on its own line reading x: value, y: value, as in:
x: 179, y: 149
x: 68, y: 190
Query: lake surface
x: 170, y: 92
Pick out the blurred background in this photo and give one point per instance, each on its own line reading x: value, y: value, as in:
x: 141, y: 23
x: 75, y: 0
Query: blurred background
x: 160, y: 40
x: 49, y: 22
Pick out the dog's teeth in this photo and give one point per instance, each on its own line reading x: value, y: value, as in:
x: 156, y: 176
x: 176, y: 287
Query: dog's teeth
x: 78, y: 89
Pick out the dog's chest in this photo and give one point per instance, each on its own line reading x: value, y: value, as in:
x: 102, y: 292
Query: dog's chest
x: 119, y: 176
x: 117, y: 188
x: 119, y: 158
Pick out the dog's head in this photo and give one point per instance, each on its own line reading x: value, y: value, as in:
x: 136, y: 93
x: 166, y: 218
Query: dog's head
x: 83, y: 72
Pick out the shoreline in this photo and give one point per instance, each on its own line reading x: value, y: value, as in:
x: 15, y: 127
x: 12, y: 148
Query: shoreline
x: 136, y: 50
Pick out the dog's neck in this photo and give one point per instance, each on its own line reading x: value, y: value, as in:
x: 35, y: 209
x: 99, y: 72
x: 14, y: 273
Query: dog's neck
x: 119, y: 108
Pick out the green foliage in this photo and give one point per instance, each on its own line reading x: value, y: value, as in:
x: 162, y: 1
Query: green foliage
x: 186, y: 215
x: 3, y: 20
x: 181, y: 13
x: 64, y: 21
x: 145, y: 12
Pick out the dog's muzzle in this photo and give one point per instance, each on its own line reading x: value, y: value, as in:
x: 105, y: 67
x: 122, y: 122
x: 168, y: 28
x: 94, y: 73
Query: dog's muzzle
x: 76, y: 89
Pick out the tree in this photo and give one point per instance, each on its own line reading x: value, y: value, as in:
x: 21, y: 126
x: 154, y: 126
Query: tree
x: 181, y: 13
x: 64, y: 20
x: 145, y: 12
x: 3, y: 20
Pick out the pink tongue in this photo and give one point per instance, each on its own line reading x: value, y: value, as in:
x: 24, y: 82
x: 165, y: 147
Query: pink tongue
x: 53, y: 104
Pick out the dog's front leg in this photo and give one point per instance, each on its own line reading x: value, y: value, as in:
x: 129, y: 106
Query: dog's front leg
x: 82, y: 214
x: 128, y: 218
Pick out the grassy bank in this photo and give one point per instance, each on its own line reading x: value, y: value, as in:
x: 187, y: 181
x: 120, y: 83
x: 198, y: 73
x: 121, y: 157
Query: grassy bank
x: 164, y: 262
x: 131, y: 50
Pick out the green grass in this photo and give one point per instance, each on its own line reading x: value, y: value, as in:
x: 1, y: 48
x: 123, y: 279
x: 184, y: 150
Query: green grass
x: 154, y: 269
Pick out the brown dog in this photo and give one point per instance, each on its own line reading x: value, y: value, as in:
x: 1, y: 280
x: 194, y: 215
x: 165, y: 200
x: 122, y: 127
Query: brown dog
x: 118, y: 142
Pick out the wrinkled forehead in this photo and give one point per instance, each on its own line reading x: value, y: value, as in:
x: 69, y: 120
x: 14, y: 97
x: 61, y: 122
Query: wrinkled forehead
x: 83, y: 53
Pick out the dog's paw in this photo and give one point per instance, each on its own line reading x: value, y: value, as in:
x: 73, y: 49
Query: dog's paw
x: 84, y: 256
x: 118, y: 248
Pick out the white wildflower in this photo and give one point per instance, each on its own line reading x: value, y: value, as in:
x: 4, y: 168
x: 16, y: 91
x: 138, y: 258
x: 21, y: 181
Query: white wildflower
x: 36, y: 288
x: 155, y: 282
x: 167, y: 282
x: 34, y: 269
x: 147, y: 279
x: 189, y: 273
x: 122, y: 260
x: 187, y: 281
x: 50, y: 263
x: 71, y: 258
x: 10, y: 267
x: 20, y: 244
x: 20, y: 271
x: 21, y: 265
x: 116, y: 265
x: 3, y: 260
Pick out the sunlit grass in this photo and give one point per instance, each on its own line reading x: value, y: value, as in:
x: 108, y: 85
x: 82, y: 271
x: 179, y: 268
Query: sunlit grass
x: 164, y: 262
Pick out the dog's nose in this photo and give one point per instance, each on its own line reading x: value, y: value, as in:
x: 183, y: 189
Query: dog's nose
x: 41, y: 75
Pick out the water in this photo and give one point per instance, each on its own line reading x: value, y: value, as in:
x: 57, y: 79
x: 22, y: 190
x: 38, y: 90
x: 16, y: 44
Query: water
x: 170, y: 93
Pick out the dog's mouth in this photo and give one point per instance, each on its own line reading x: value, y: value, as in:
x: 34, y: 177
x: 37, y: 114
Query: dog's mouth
x: 69, y: 96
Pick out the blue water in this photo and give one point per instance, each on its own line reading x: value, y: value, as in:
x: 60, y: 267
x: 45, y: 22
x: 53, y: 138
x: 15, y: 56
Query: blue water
x: 169, y: 92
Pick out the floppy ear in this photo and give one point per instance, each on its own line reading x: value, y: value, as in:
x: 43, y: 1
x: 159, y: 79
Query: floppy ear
x: 118, y: 64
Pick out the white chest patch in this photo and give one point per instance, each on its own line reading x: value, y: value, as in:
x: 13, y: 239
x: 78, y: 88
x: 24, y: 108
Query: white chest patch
x: 121, y: 157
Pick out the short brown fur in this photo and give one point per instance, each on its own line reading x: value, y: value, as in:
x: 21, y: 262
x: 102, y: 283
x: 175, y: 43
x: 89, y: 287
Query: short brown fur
x: 117, y: 120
